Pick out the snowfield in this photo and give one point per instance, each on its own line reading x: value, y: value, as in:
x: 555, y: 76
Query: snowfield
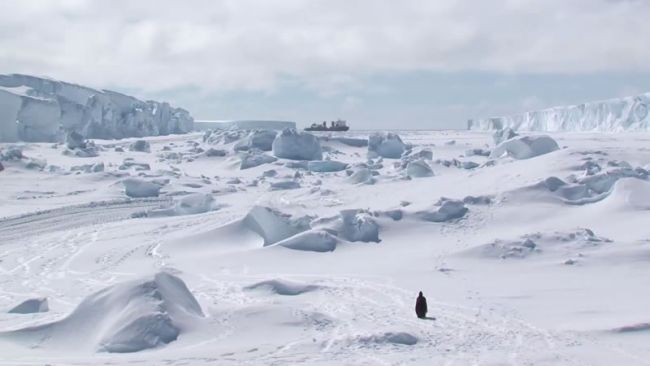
x: 261, y: 248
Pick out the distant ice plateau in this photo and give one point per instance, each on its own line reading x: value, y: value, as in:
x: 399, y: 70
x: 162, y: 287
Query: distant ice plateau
x: 615, y: 115
x: 36, y: 109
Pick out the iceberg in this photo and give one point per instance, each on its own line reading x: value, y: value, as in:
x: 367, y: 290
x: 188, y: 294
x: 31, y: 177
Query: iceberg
x: 37, y: 109
x: 620, y: 114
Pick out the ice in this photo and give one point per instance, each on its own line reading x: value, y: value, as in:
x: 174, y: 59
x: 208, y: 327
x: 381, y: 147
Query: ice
x: 272, y: 225
x: 212, y: 152
x: 31, y: 306
x: 311, y: 241
x: 362, y: 176
x: 388, y: 145
x: 283, y: 185
x: 419, y: 169
x: 140, y: 145
x: 38, y: 109
x: 294, y: 145
x: 356, y: 225
x: 203, y: 125
x: 192, y: 204
x: 138, y: 188
x: 449, y: 210
x: 257, y: 139
x: 620, y: 114
x: 326, y: 166
x: 500, y: 136
x: 126, y: 317
x: 255, y: 158
x: 74, y: 140
x: 525, y: 147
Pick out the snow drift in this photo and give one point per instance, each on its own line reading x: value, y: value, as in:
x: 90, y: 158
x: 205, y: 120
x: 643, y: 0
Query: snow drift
x: 43, y: 110
x: 283, y: 287
x: 621, y: 114
x: 31, y: 306
x: 126, y: 317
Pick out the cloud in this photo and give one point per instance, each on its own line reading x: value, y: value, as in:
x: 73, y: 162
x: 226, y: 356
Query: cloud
x: 326, y: 45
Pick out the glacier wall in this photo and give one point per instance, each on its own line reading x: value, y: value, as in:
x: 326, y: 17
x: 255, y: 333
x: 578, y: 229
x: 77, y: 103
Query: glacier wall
x: 621, y: 114
x: 43, y: 110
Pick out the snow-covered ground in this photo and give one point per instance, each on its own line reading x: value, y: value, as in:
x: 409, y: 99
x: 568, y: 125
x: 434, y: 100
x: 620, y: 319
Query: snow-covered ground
x: 224, y: 256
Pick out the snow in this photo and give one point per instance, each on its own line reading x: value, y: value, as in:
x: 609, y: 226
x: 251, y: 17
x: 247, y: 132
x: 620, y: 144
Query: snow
x: 204, y: 125
x: 294, y: 145
x: 385, y: 145
x: 523, y: 261
x: 525, y: 147
x: 126, y: 317
x: 38, y: 109
x: 618, y: 114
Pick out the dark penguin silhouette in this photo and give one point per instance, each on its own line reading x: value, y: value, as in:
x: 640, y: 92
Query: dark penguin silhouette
x: 421, y: 306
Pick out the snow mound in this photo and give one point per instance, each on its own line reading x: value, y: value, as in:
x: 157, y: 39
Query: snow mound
x: 525, y: 147
x: 126, y: 317
x: 447, y: 211
x: 283, y: 287
x: 419, y: 169
x: 399, y: 338
x: 634, y: 328
x: 558, y: 243
x: 138, y: 188
x: 258, y: 139
x: 43, y: 110
x: 31, y: 306
x: 387, y: 145
x: 294, y: 145
x: 326, y: 166
x: 274, y: 226
x: 312, y: 241
x: 192, y: 204
x: 621, y: 114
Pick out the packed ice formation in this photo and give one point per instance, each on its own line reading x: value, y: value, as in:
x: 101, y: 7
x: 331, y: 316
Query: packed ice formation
x: 620, y: 114
x: 44, y: 110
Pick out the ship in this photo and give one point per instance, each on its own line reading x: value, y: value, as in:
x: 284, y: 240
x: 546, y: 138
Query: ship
x: 338, y: 125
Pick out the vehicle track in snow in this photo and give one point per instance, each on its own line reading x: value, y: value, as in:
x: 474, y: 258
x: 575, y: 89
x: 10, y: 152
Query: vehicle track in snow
x: 70, y: 217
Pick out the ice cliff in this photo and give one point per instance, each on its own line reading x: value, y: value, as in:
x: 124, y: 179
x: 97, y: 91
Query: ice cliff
x: 44, y: 110
x: 621, y: 114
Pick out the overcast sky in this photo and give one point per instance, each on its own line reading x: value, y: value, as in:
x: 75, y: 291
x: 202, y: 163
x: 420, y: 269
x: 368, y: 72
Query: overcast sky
x: 379, y: 64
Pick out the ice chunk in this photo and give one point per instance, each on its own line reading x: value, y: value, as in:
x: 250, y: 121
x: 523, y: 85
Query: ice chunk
x: 211, y: 152
x: 419, y: 169
x: 500, y: 136
x: 312, y: 240
x: 138, y: 188
x: 31, y: 306
x: 294, y: 145
x: 75, y: 140
x: 448, y: 210
x: 388, y: 145
x: 285, y: 184
x: 258, y: 139
x: 140, y: 145
x: 525, y: 147
x: 272, y: 225
x: 326, y: 166
x: 357, y: 225
x: 192, y: 204
x: 255, y: 158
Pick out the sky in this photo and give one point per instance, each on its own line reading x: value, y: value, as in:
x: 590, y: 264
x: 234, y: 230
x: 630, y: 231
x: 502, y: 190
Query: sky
x: 377, y: 63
